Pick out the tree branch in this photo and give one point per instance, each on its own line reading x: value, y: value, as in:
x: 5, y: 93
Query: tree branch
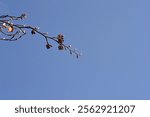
x: 13, y: 32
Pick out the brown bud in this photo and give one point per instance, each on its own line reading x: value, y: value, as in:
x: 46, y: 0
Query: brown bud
x: 60, y: 41
x: 48, y: 46
x: 60, y: 47
x: 60, y: 38
x: 33, y: 32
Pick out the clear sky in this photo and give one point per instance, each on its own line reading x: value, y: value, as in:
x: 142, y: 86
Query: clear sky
x: 113, y: 35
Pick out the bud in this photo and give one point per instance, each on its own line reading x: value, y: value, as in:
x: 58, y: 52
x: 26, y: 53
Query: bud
x: 60, y: 39
x: 60, y: 47
x: 48, y: 46
x: 33, y: 32
x: 23, y: 15
x: 60, y: 35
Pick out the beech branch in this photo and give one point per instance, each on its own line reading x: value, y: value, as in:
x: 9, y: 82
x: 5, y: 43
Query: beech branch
x: 10, y: 31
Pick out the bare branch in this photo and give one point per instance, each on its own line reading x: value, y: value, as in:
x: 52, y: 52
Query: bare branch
x: 13, y: 32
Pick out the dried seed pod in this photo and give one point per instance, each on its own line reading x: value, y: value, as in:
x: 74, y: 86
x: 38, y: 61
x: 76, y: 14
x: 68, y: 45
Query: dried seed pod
x: 48, y: 46
x: 60, y: 47
x: 32, y: 31
x: 24, y: 15
x: 60, y: 39
x: 61, y: 36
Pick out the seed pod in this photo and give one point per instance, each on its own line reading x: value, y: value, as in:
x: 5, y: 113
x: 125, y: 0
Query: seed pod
x: 33, y: 32
x: 60, y: 41
x: 60, y: 38
x: 48, y: 46
x: 60, y: 47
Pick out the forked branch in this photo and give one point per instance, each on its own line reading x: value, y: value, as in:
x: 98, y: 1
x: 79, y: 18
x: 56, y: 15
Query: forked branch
x: 10, y: 31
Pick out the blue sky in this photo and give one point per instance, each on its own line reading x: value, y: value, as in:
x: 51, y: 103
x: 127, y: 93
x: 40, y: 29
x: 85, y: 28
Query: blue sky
x: 113, y: 35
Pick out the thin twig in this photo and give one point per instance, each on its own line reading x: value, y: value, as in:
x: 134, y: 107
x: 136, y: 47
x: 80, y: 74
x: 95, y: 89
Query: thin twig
x: 13, y: 32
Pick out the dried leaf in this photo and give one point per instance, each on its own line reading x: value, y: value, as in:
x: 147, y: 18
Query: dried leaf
x: 10, y: 29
